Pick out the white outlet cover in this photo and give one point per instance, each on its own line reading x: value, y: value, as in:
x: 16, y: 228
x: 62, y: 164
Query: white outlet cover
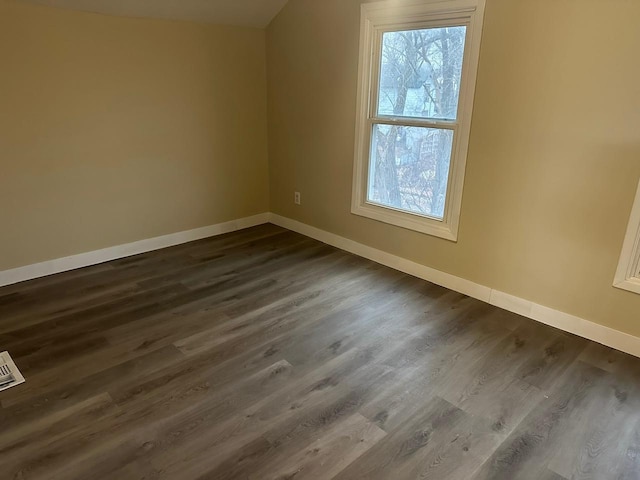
x: 10, y: 376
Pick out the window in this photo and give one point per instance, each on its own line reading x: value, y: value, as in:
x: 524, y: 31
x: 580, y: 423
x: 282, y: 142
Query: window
x: 628, y: 274
x: 418, y: 66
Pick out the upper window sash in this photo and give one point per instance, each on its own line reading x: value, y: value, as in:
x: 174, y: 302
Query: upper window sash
x: 376, y: 71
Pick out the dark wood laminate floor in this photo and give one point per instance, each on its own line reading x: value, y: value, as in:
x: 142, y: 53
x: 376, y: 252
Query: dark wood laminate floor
x: 263, y: 354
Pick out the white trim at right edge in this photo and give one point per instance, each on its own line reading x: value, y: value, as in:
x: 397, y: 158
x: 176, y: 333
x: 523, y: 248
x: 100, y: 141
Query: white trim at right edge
x: 628, y: 273
x: 554, y: 318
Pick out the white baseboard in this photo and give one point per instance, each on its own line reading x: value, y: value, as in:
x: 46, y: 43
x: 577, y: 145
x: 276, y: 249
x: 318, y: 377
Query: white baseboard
x: 554, y: 318
x: 29, y: 272
x: 398, y: 263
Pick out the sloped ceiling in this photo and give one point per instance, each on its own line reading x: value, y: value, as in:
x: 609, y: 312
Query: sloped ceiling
x: 250, y: 13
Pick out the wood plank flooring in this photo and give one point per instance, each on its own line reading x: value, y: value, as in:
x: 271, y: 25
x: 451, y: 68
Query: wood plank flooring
x: 264, y: 354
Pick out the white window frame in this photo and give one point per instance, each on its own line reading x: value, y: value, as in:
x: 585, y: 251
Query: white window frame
x: 628, y: 273
x: 377, y: 18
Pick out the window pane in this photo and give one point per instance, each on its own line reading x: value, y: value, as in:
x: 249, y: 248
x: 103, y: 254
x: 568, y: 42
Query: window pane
x: 409, y: 168
x: 420, y: 72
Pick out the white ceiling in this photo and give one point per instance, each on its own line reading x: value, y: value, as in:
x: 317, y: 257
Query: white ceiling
x: 251, y: 13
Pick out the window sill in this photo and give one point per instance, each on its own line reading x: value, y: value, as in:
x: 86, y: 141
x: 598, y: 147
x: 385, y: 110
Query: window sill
x: 416, y: 223
x: 631, y: 284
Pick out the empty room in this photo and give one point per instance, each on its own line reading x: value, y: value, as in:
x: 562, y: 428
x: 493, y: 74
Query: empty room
x: 319, y: 239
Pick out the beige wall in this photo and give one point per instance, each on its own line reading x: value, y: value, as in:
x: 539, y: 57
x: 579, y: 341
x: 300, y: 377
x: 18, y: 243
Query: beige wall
x: 554, y: 156
x: 114, y: 130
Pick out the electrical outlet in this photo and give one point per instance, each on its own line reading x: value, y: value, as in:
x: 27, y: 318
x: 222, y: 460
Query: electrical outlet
x: 297, y: 199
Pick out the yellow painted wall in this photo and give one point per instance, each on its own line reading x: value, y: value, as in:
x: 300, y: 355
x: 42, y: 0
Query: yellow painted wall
x: 554, y: 154
x: 114, y: 130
